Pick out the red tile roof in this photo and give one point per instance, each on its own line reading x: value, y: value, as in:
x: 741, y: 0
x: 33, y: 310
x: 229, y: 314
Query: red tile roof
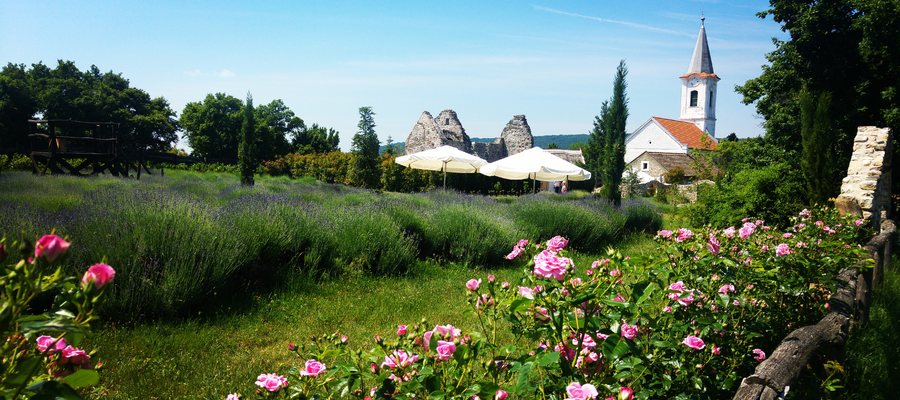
x: 686, y: 133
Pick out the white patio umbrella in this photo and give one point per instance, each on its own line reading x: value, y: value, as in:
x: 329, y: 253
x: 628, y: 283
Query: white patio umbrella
x: 444, y: 158
x: 537, y: 164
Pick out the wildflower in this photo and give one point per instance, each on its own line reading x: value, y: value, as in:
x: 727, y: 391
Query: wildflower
x: 694, y: 342
x: 312, y: 368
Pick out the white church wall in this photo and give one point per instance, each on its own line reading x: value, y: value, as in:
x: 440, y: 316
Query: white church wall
x: 651, y: 137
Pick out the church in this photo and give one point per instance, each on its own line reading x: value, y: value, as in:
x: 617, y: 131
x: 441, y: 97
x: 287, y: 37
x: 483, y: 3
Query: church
x: 662, y: 138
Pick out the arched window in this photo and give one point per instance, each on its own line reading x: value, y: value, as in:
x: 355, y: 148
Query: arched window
x: 693, y: 98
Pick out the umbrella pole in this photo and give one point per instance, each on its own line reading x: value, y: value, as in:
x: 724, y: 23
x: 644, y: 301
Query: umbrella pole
x: 445, y: 175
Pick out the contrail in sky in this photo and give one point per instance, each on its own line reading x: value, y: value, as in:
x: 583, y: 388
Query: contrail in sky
x: 629, y: 24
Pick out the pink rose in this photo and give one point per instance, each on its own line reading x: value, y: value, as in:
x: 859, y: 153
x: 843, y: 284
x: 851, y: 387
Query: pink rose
x: 626, y: 394
x: 50, y: 246
x: 726, y: 288
x: 505, y: 285
x: 664, y: 233
x: 399, y: 358
x: 526, y: 291
x: 473, y: 284
x: 312, y: 368
x: 684, y: 234
x: 523, y: 243
x: 490, y: 278
x: 713, y: 245
x: 747, y: 230
x: 500, y: 395
x: 716, y: 350
x: 548, y: 265
x: 46, y: 342
x: 233, y: 396
x: 271, y: 382
x: 75, y: 356
x: 401, y: 330
x: 100, y: 274
x: 629, y: 331
x: 619, y: 298
x: 577, y: 391
x: 694, y: 342
x: 516, y: 251
x: 729, y: 232
x: 667, y: 309
x: 760, y: 355
x: 445, y: 350
x: 782, y: 250
x: 556, y: 244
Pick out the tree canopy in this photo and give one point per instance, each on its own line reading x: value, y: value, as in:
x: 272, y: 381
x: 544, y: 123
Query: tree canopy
x: 65, y: 92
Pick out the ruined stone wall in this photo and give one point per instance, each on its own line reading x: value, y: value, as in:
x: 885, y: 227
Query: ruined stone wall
x: 866, y: 190
x: 446, y: 130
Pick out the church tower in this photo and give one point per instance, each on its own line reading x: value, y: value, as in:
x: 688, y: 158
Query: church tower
x: 698, y: 87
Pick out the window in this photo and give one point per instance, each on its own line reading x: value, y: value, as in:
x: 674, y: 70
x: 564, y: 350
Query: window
x: 693, y: 98
x: 710, y: 99
x: 645, y: 165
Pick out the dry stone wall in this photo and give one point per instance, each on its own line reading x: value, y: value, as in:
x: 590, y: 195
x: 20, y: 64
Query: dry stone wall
x: 446, y: 130
x: 867, y: 188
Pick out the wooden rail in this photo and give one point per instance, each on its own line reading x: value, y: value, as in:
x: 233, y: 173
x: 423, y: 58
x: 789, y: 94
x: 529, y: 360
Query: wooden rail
x: 849, y: 305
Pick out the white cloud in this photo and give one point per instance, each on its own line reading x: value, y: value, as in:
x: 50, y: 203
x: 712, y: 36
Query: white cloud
x: 626, y: 23
x: 195, y: 72
x: 225, y: 74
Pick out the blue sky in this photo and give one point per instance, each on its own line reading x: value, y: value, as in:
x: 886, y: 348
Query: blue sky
x: 553, y: 61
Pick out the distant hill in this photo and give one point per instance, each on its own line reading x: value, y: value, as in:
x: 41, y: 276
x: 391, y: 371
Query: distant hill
x: 562, y: 141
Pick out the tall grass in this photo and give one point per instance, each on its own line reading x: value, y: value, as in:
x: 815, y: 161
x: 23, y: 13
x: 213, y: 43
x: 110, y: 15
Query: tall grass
x: 181, y: 242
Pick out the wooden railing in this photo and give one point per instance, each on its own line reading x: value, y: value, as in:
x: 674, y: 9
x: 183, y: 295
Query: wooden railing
x: 826, y: 340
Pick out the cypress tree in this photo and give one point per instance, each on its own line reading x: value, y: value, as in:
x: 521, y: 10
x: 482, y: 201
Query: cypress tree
x: 609, y: 136
x: 247, y: 148
x: 818, y: 137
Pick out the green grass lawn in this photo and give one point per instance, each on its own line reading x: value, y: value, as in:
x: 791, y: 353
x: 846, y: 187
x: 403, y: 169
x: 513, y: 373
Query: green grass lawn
x: 211, y: 355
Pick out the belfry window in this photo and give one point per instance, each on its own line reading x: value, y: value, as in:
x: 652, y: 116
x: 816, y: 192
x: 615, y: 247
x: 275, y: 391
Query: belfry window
x: 693, y: 98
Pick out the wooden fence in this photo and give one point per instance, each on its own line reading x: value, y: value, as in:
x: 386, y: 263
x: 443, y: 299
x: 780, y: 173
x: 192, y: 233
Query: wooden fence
x: 810, y: 346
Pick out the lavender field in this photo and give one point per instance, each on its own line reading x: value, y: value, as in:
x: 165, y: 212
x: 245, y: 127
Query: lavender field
x: 187, y: 241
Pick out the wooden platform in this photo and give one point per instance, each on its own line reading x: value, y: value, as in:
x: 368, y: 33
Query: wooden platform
x: 62, y: 146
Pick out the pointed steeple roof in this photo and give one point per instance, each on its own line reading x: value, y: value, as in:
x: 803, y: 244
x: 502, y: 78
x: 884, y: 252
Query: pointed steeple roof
x: 701, y: 62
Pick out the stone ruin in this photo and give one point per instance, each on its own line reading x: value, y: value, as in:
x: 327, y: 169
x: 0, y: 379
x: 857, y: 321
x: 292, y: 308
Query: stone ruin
x: 866, y: 190
x: 446, y: 130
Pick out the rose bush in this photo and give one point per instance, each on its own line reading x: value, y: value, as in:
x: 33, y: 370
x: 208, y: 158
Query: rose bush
x: 688, y: 325
x: 49, y: 365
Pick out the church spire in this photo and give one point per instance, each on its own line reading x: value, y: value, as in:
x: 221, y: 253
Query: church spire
x: 701, y: 62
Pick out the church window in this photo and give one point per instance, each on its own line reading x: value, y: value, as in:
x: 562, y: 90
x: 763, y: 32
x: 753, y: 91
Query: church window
x: 693, y: 98
x: 710, y: 98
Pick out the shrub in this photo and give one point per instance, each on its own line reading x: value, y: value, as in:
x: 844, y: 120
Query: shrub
x: 675, y: 176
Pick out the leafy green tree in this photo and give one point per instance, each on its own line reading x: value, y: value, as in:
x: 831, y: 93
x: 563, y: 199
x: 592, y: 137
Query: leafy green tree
x: 818, y: 136
x: 593, y: 152
x: 365, y: 151
x: 552, y: 146
x: 275, y: 124
x: 18, y: 104
x: 213, y: 126
x: 65, y: 92
x: 607, y: 141
x: 843, y: 47
x: 316, y: 139
x: 247, y: 148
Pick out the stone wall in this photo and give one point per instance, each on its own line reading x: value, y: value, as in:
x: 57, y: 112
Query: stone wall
x: 446, y: 130
x: 866, y: 190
